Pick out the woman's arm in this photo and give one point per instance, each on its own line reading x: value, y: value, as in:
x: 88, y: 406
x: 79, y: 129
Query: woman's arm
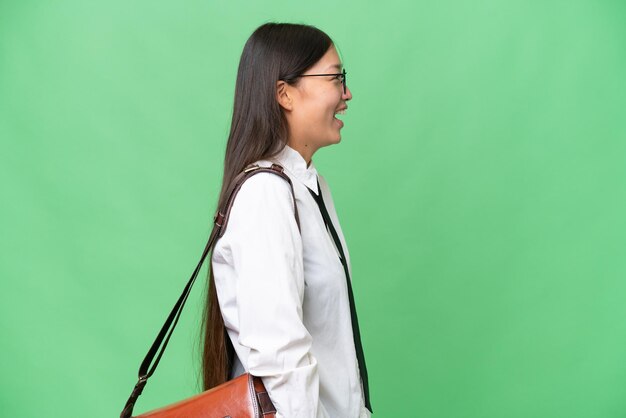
x: 266, y: 249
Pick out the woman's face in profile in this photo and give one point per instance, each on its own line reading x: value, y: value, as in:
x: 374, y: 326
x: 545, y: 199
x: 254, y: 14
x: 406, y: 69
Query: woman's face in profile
x: 316, y: 101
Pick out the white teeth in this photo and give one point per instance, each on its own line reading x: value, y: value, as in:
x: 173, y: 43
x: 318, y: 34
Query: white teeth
x: 341, y: 112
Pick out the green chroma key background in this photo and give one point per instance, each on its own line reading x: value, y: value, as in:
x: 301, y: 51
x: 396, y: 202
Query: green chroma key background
x: 480, y: 182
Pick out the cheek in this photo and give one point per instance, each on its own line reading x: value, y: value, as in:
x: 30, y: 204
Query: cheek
x: 327, y: 106
x: 319, y: 111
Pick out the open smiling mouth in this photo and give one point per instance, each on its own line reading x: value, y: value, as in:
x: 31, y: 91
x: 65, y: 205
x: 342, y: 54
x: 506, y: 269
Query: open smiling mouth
x: 340, y: 112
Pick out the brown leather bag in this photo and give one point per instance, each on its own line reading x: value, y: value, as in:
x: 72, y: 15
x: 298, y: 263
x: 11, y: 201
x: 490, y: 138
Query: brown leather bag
x: 232, y: 399
x: 242, y: 397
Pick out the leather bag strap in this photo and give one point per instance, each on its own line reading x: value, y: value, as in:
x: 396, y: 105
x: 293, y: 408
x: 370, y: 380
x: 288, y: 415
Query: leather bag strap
x: 219, y: 227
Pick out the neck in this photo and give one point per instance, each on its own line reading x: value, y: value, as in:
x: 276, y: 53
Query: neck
x: 305, y: 150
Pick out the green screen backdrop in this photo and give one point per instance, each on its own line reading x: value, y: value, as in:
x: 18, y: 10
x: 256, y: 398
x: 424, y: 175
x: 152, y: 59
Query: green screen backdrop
x: 480, y: 182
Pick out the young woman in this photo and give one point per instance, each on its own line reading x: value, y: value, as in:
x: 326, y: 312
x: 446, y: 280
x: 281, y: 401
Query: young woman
x: 279, y: 302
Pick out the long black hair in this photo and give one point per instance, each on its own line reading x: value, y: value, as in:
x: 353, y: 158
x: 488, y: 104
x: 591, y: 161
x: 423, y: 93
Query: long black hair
x: 274, y: 51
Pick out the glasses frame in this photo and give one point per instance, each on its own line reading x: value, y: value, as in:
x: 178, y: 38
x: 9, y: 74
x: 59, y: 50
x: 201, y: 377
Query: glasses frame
x: 342, y: 74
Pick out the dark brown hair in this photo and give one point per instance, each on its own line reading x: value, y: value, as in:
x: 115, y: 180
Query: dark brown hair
x: 274, y: 51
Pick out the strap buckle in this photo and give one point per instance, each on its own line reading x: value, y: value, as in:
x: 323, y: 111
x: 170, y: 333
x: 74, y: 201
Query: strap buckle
x: 218, y: 219
x: 251, y: 167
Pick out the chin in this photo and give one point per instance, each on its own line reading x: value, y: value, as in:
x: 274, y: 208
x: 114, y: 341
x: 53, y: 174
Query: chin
x: 331, y: 140
x: 336, y: 138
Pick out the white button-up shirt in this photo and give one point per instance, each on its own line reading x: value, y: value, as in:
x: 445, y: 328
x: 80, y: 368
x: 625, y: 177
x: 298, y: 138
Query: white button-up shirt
x: 284, y: 297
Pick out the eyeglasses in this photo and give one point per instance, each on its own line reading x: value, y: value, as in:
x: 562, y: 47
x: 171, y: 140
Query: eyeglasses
x: 341, y: 75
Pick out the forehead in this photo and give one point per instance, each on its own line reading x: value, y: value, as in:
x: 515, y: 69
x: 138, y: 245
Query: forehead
x: 330, y: 61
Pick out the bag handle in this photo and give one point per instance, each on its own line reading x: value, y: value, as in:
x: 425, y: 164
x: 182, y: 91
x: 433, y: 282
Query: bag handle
x: 220, y: 221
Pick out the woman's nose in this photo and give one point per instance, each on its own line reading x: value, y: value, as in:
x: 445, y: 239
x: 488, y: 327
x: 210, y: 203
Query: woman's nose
x: 347, y: 95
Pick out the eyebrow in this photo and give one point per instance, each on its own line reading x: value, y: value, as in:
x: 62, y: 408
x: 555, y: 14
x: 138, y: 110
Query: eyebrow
x: 337, y: 66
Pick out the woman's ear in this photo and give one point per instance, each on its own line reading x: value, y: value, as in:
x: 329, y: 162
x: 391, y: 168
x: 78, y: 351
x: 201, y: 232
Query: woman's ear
x: 283, y: 95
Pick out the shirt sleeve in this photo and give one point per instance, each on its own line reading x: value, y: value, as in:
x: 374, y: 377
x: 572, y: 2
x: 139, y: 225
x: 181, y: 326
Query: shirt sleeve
x: 266, y: 249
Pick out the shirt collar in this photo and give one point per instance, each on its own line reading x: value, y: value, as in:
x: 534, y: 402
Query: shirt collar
x: 295, y: 164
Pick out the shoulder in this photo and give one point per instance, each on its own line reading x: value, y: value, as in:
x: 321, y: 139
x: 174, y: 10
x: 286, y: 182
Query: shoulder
x: 263, y: 192
x: 265, y: 184
x: 263, y: 206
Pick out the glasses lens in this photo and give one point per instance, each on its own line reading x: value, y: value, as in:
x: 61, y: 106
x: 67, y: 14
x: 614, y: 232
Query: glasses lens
x: 343, y: 81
